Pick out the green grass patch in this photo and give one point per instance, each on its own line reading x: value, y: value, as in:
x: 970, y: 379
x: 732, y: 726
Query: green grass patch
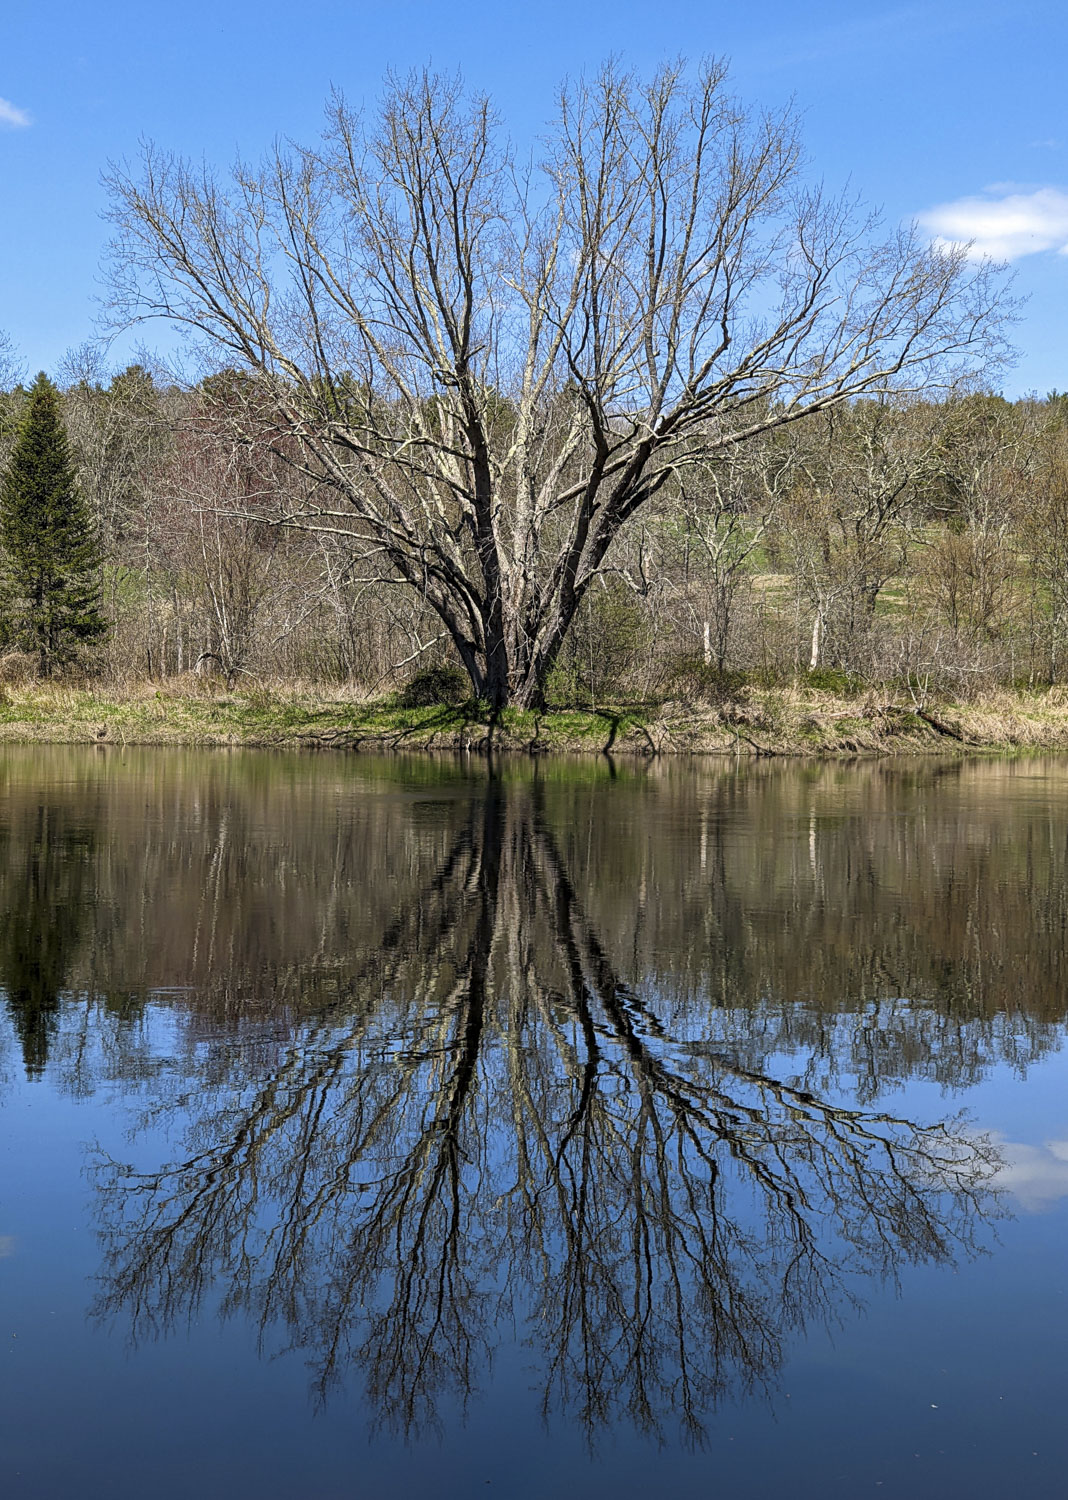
x: 259, y: 717
x: 815, y: 715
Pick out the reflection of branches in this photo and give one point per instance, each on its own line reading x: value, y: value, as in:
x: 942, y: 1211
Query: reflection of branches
x: 495, y: 1129
x: 666, y: 1131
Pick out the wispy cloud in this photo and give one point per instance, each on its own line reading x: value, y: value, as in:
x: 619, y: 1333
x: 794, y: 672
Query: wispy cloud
x: 10, y: 114
x: 1005, y: 224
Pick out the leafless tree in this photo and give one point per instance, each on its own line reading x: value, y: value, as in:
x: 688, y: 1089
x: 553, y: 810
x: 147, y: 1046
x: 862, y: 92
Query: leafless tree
x: 1045, y: 535
x: 497, y: 1130
x: 11, y: 372
x: 855, y: 476
x: 726, y: 507
x: 9, y: 363
x: 490, y: 367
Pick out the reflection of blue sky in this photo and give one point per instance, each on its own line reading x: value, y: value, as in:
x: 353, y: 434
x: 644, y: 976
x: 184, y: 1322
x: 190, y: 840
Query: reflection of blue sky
x: 1021, y: 1108
x: 950, y: 1383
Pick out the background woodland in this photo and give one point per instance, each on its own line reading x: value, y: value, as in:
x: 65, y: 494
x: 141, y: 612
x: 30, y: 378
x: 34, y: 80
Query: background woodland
x: 915, y: 544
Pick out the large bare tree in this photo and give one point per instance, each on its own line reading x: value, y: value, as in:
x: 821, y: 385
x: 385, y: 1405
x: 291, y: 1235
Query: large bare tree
x: 490, y: 367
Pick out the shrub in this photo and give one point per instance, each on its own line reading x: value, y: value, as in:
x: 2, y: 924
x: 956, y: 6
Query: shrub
x: 441, y: 683
x: 832, y: 680
x: 696, y: 681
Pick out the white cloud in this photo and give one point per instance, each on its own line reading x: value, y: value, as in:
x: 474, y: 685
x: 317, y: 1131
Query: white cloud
x: 1036, y: 1176
x: 10, y: 114
x: 1005, y: 225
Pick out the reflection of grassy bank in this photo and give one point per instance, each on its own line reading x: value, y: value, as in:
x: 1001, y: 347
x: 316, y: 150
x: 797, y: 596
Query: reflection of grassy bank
x: 802, y: 720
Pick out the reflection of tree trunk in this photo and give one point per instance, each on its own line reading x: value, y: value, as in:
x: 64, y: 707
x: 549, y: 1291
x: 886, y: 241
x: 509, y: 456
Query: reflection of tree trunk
x: 495, y: 1129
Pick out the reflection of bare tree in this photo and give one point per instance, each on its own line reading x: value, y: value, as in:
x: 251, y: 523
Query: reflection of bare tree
x: 777, y: 902
x: 495, y: 1131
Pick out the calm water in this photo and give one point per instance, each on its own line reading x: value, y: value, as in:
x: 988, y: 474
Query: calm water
x: 381, y: 1128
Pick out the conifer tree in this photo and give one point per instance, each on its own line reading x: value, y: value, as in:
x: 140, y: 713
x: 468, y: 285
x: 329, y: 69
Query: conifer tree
x: 49, y: 556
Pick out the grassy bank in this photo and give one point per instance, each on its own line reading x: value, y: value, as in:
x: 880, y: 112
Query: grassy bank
x: 759, y: 721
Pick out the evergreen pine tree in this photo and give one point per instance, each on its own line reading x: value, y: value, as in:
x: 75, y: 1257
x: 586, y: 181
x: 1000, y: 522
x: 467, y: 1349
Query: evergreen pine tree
x: 49, y: 557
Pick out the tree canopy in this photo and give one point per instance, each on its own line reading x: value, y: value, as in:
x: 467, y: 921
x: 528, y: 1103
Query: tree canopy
x: 489, y: 367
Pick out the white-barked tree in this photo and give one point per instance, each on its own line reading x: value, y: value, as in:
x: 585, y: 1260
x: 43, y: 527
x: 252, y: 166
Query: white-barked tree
x: 488, y: 368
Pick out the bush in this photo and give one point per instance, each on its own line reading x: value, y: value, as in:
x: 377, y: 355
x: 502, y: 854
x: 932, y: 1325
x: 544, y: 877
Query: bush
x: 832, y: 680
x: 694, y: 680
x: 441, y: 683
x: 608, y: 639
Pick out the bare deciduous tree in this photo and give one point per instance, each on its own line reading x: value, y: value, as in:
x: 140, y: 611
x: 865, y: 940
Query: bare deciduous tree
x: 11, y: 367
x: 490, y: 368
x: 855, y: 475
x: 1045, y: 534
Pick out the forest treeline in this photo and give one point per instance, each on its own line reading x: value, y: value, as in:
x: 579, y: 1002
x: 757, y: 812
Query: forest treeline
x: 922, y: 544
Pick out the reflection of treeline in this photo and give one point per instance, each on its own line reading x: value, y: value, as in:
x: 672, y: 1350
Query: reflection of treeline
x: 499, y: 1132
x: 924, y: 542
x: 47, y: 858
x: 929, y: 902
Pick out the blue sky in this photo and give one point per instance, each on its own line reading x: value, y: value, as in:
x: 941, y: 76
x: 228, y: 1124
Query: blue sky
x: 952, y: 111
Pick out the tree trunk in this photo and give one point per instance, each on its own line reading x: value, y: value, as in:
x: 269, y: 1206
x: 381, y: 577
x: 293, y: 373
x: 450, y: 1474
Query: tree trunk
x: 814, y: 659
x: 511, y: 670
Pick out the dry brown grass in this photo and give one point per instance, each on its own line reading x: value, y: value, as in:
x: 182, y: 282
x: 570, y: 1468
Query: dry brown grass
x: 792, y: 720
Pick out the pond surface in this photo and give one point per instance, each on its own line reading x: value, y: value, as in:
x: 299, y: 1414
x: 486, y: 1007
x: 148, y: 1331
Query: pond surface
x: 389, y: 1128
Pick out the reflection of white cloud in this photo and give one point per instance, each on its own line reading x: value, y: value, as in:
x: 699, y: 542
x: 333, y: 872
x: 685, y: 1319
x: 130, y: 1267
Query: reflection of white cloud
x: 7, y: 1245
x: 1036, y: 1176
x: 1005, y: 225
x: 10, y: 114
